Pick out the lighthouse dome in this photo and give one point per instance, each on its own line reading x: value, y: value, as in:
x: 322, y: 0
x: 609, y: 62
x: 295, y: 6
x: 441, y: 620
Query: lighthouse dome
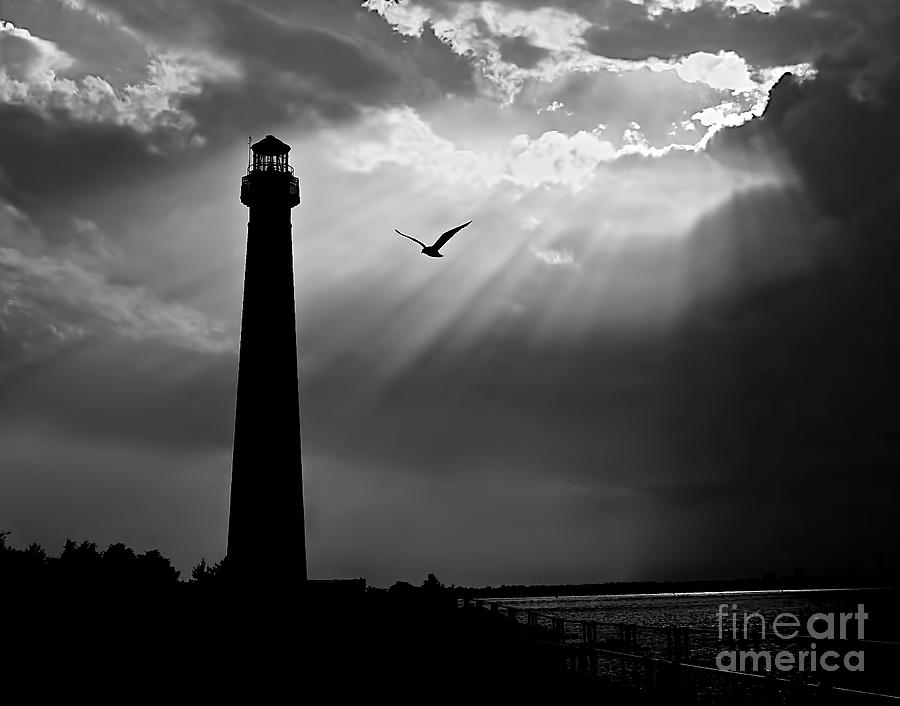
x: 270, y: 146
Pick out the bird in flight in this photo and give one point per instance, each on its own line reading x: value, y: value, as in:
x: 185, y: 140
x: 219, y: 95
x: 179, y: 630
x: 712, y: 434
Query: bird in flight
x: 434, y: 250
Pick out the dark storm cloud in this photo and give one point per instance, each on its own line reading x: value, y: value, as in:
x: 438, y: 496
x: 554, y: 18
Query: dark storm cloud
x: 625, y: 30
x: 839, y: 130
x: 789, y: 365
x: 787, y: 379
x: 51, y: 162
x: 310, y: 62
x: 562, y: 410
x: 791, y: 36
x: 97, y: 47
x: 144, y: 394
x: 316, y: 61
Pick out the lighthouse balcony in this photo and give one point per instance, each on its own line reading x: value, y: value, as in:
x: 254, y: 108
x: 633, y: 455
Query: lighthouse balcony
x: 267, y: 185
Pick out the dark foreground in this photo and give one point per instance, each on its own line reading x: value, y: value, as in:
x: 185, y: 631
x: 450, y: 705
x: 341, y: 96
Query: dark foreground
x: 119, y: 624
x: 263, y: 647
x: 115, y: 625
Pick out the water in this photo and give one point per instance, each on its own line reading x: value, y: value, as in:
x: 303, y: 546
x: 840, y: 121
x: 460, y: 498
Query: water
x: 711, y: 634
x: 699, y: 610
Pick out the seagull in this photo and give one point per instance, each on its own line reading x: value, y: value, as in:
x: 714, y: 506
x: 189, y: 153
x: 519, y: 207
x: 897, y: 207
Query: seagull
x: 433, y: 250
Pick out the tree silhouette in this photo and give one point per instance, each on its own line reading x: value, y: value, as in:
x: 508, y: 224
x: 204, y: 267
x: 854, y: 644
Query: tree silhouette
x: 83, y: 565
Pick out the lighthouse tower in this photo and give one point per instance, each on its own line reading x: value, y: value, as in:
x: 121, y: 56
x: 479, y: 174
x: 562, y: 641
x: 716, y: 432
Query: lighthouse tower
x: 266, y: 537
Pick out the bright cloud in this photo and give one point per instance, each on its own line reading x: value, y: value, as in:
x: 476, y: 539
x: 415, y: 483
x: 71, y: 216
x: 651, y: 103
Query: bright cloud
x: 546, y: 27
x: 726, y: 71
x: 29, y: 63
x: 401, y: 137
x: 407, y: 19
x: 556, y: 159
x: 477, y: 28
x: 552, y: 108
x: 34, y: 73
x: 739, y: 111
x: 766, y: 6
x: 554, y: 258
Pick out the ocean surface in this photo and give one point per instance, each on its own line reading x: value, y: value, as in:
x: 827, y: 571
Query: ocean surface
x: 715, y: 619
x: 699, y: 610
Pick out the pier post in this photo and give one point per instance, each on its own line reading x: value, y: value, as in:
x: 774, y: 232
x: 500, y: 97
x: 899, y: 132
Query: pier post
x: 685, y: 644
x: 588, y: 633
x: 559, y: 629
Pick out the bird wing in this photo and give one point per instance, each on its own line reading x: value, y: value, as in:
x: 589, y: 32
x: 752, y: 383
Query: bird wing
x: 410, y: 237
x: 439, y: 243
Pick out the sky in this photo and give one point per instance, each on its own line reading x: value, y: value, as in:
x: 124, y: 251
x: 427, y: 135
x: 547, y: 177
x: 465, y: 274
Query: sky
x: 664, y: 349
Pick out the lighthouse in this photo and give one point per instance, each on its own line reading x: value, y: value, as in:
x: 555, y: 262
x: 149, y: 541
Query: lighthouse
x: 266, y: 534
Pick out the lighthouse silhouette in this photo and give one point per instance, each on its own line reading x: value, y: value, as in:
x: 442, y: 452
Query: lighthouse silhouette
x: 266, y: 534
